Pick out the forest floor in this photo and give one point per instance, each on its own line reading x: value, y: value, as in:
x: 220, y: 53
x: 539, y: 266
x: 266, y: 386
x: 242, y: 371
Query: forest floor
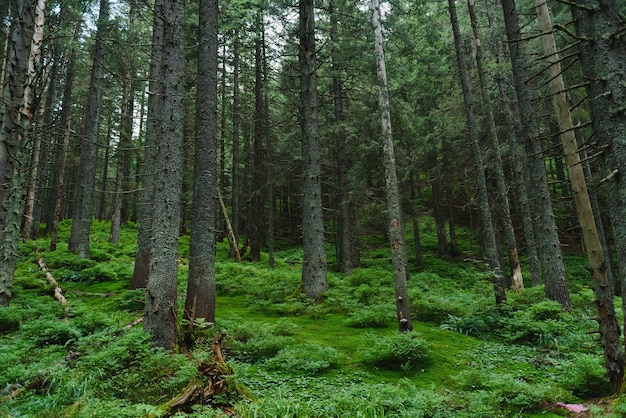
x: 342, y: 357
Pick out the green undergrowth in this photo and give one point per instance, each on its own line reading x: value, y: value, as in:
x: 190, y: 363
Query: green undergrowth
x: 341, y: 357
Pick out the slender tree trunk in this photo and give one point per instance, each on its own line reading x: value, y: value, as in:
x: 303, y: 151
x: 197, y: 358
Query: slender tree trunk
x: 255, y: 223
x: 314, y: 258
x: 489, y: 235
x: 396, y: 230
x: 161, y: 299
x: 440, y: 219
x: 29, y: 108
x: 503, y: 207
x: 148, y: 179
x: 235, y: 192
x: 601, y: 31
x: 546, y: 235
x: 83, y: 212
x: 344, y: 221
x: 419, y: 256
x: 200, y: 301
x: 269, y: 156
x: 65, y: 123
x: 15, y: 116
x: 104, y: 181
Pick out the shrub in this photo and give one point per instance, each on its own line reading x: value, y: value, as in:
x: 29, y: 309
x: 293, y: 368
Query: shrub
x: 377, y: 316
x: 403, y: 351
x: 586, y: 376
x: 307, y: 358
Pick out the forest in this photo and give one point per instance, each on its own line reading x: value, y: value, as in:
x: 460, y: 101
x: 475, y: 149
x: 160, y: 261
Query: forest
x: 312, y: 209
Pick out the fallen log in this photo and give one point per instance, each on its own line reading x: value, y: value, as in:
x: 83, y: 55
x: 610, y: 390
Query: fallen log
x: 57, y: 291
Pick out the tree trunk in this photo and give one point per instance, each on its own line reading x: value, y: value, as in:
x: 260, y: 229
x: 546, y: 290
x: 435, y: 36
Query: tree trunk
x: 161, y: 306
x: 235, y: 190
x: 255, y: 223
x: 503, y: 207
x: 344, y: 221
x: 14, y: 138
x: 200, y: 301
x: 148, y: 178
x: 314, y: 255
x: 489, y: 235
x: 396, y: 230
x: 65, y: 123
x: 602, y: 52
x: 546, y: 235
x: 83, y: 212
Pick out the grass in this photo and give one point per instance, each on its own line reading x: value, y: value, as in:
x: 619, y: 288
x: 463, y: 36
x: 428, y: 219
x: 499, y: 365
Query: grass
x: 340, y: 358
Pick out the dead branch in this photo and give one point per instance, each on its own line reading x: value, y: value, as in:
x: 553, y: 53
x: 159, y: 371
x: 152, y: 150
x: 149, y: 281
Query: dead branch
x: 132, y: 324
x: 58, y: 292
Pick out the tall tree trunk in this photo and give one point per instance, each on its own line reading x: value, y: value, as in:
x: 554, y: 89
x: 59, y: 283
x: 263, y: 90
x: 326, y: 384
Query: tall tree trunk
x: 417, y: 245
x: 344, y: 221
x: 65, y: 124
x: 104, y: 181
x: 269, y: 156
x: 148, y: 178
x: 602, y: 51
x: 518, y: 160
x: 30, y: 108
x: 546, y: 235
x: 314, y: 258
x: 440, y: 219
x: 200, y: 301
x: 83, y: 212
x: 255, y: 223
x: 396, y: 230
x: 16, y: 119
x: 161, y: 306
x: 503, y: 207
x: 489, y: 234
x: 235, y: 189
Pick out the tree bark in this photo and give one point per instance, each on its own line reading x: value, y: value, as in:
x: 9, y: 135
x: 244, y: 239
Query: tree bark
x: 235, y: 190
x: 344, y: 220
x: 200, y: 300
x: 161, y: 299
x: 13, y: 141
x: 602, y: 51
x: 396, y: 230
x: 148, y: 177
x: 503, y: 207
x: 546, y: 234
x: 83, y: 212
x: 489, y: 235
x: 314, y: 256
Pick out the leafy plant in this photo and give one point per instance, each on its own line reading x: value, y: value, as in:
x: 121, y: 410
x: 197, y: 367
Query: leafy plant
x: 308, y: 358
x: 403, y: 351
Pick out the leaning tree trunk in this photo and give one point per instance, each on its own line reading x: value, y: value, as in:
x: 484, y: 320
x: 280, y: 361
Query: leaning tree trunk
x: 546, y: 234
x: 16, y: 121
x: 396, y: 230
x: 489, y: 235
x: 503, y: 207
x: 200, y: 301
x: 314, y: 258
x: 601, y: 31
x: 83, y: 211
x: 161, y: 299
x: 148, y: 178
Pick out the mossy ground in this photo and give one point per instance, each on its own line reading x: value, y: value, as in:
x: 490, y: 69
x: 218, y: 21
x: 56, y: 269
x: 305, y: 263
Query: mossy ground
x: 299, y: 359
